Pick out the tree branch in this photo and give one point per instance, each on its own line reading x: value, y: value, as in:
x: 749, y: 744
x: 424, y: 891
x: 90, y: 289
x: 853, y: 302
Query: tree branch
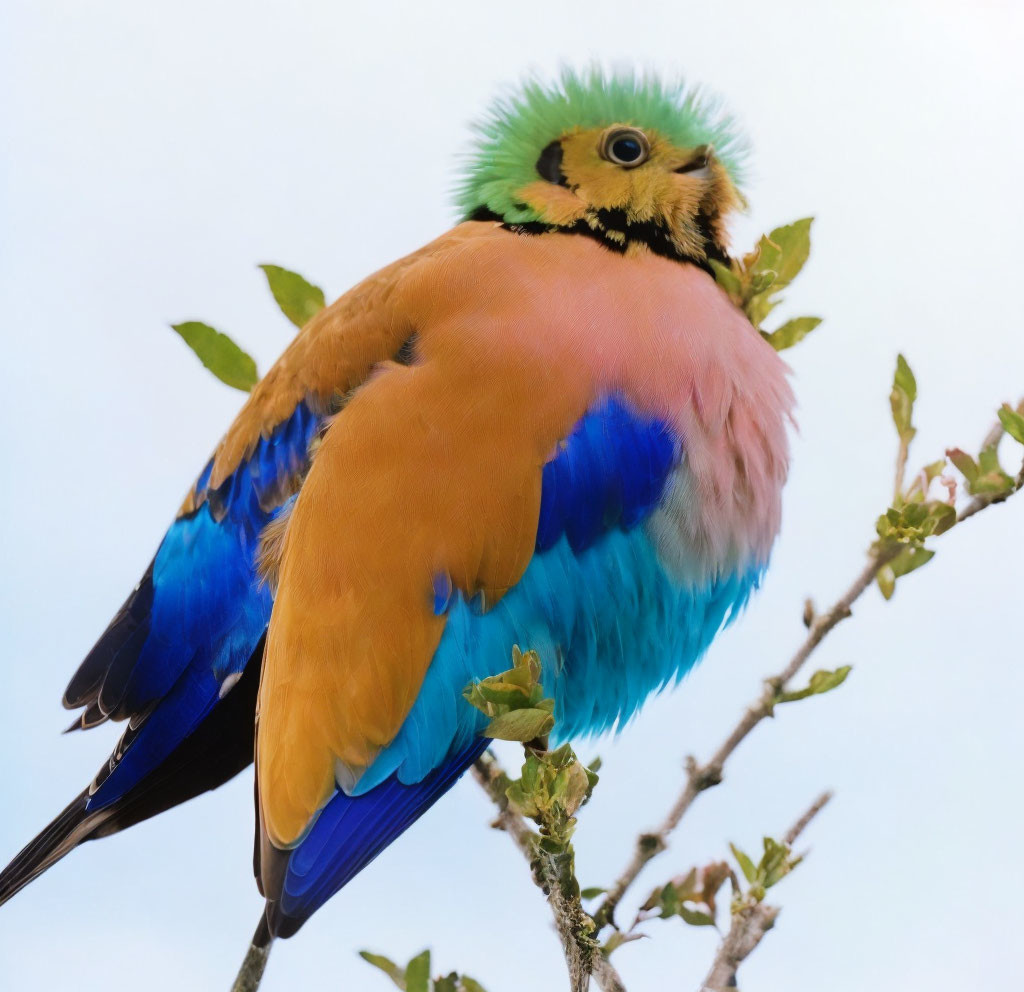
x: 250, y: 974
x: 574, y: 927
x: 751, y: 920
x: 749, y: 925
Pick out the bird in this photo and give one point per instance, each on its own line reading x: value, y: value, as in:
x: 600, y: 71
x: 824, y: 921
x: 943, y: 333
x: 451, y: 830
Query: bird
x: 549, y: 427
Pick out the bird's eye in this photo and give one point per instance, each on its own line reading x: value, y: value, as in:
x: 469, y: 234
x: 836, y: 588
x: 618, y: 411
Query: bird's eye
x: 625, y: 146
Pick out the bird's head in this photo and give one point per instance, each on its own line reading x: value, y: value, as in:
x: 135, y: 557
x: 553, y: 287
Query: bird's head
x: 637, y: 163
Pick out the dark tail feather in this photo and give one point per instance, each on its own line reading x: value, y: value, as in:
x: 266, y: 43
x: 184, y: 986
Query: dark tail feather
x: 218, y: 750
x: 66, y: 832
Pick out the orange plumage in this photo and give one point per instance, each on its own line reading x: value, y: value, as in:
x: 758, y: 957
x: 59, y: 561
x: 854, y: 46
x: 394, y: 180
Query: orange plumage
x: 435, y: 468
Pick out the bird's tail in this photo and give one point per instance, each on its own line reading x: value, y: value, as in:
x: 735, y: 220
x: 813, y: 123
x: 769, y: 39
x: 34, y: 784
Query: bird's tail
x: 64, y: 833
x: 220, y: 748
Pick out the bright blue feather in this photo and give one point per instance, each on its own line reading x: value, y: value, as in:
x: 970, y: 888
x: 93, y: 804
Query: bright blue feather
x: 209, y: 608
x: 351, y: 831
x: 611, y: 471
x: 610, y: 625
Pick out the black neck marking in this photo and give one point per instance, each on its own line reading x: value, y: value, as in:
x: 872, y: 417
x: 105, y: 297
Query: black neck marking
x: 616, y: 232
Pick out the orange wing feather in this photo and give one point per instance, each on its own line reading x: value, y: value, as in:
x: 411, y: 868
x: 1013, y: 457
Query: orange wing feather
x: 432, y: 469
x: 330, y: 356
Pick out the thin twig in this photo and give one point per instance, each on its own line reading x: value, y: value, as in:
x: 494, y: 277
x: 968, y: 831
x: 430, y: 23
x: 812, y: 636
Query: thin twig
x: 901, y: 468
x: 801, y: 825
x: 751, y: 920
x: 979, y: 503
x: 574, y: 927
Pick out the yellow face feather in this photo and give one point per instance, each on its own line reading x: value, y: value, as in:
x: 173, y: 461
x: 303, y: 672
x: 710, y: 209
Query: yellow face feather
x: 681, y: 195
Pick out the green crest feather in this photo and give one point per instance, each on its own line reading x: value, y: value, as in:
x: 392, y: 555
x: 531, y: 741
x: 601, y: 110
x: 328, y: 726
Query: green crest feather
x: 520, y: 124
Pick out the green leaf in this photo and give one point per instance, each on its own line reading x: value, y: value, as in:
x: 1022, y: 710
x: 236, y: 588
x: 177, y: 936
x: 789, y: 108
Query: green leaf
x: 727, y: 279
x: 793, y: 246
x: 298, y: 299
x: 886, y: 580
x: 695, y: 917
x: 823, y: 681
x: 901, y: 399
x: 520, y: 725
x: 521, y: 797
x: 758, y: 307
x: 908, y: 560
x: 392, y: 970
x: 467, y: 984
x: 1012, y: 421
x: 992, y: 485
x: 820, y: 682
x: 988, y: 460
x: 668, y: 898
x: 760, y: 282
x: 592, y: 892
x: 985, y: 477
x: 219, y: 354
x: 561, y: 757
x: 503, y: 693
x: 447, y: 983
x: 746, y: 865
x: 576, y: 790
x: 775, y: 863
x: 904, y: 378
x: 514, y: 689
x: 417, y: 973
x: 791, y: 332
x: 941, y: 516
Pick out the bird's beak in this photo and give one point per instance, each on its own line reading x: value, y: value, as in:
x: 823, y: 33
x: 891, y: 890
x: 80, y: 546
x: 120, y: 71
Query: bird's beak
x: 698, y: 166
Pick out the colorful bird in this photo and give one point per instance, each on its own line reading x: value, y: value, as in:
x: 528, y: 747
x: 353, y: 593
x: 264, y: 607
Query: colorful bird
x: 549, y: 427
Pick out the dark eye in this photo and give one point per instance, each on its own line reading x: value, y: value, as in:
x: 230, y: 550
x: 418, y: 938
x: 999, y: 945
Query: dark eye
x: 626, y: 146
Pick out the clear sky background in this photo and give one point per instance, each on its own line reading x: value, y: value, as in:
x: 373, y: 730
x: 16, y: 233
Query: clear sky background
x: 153, y: 153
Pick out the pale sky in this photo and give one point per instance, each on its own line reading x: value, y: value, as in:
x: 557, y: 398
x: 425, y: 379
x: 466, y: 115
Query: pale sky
x: 154, y: 153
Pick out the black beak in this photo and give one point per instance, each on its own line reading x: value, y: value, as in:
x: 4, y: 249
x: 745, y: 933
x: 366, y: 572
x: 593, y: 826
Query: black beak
x: 701, y: 159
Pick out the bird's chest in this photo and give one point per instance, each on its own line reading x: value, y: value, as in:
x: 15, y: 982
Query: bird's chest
x: 564, y: 325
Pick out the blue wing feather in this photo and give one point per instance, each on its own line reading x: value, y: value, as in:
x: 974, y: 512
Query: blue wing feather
x: 207, y: 607
x: 610, y: 472
x: 351, y: 831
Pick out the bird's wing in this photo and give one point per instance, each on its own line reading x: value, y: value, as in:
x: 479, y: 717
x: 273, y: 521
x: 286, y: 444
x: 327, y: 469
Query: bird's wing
x: 187, y: 632
x: 438, y: 484
x: 605, y: 478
